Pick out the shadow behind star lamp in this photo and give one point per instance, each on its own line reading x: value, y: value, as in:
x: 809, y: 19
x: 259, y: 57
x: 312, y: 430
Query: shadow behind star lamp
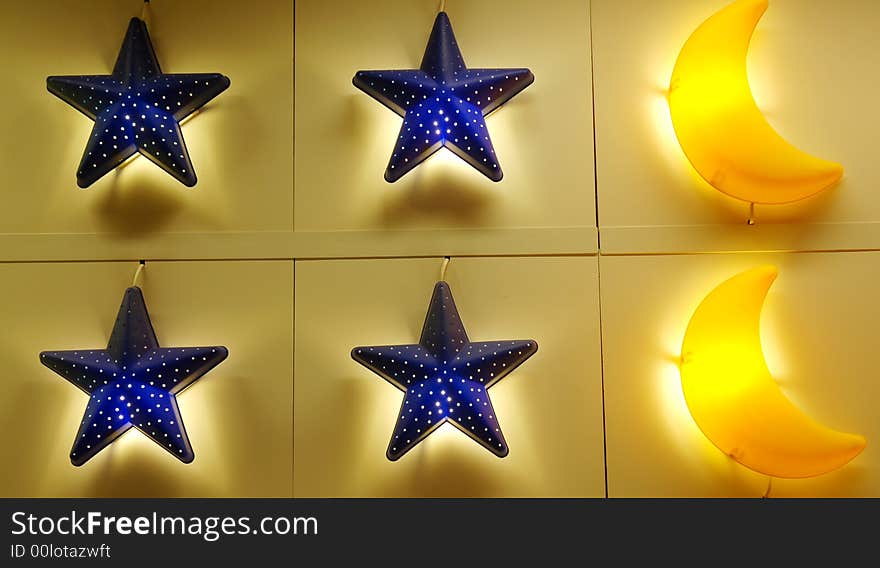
x: 443, y: 104
x: 137, y: 109
x: 132, y: 383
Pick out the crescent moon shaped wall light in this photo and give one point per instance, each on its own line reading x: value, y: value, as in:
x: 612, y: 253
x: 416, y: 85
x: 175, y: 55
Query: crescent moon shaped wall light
x: 137, y: 109
x: 445, y: 377
x: 720, y: 128
x: 132, y: 383
x: 735, y: 401
x: 443, y: 104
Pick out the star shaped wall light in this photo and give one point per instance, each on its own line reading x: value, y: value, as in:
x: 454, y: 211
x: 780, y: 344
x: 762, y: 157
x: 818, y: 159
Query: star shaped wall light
x: 132, y: 383
x: 445, y: 377
x: 137, y: 109
x: 443, y: 104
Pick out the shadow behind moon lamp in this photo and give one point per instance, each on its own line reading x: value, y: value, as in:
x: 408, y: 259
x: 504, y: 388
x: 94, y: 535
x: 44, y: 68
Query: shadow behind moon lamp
x: 443, y: 104
x: 735, y: 401
x: 132, y: 383
x: 137, y: 109
x: 719, y: 126
x: 445, y: 377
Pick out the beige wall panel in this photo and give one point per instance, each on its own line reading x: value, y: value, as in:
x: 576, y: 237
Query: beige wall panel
x: 238, y: 416
x: 814, y: 73
x: 819, y: 337
x: 241, y: 143
x: 550, y: 408
x: 543, y: 136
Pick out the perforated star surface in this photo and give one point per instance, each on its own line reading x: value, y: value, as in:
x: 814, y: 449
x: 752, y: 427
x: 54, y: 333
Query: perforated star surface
x: 445, y: 378
x: 137, y: 109
x: 133, y: 382
x: 443, y: 104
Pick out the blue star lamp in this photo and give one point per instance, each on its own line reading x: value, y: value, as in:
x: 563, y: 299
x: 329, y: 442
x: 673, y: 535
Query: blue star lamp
x: 132, y: 383
x: 443, y: 104
x: 445, y: 377
x: 137, y: 109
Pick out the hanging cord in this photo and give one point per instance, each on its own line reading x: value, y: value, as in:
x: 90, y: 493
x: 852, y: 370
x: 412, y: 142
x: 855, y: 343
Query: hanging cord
x: 145, y: 10
x: 443, y: 268
x: 766, y: 494
x: 442, y: 5
x: 137, y: 273
x: 751, y: 219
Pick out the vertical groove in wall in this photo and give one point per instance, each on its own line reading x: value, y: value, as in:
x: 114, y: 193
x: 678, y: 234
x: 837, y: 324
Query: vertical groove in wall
x: 293, y: 133
x: 599, y: 252
x: 293, y: 380
x: 593, y: 119
x: 602, y: 369
x: 293, y: 277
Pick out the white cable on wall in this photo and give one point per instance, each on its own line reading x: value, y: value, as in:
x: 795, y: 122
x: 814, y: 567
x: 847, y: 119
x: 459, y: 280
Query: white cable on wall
x: 443, y: 266
x: 137, y: 273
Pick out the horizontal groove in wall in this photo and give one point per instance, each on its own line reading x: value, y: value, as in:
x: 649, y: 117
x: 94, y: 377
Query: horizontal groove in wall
x: 566, y: 241
x: 456, y: 242
x: 60, y: 247
x: 700, y: 239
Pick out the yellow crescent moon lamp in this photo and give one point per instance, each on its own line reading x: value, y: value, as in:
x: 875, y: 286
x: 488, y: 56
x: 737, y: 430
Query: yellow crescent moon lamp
x: 734, y: 399
x: 720, y: 128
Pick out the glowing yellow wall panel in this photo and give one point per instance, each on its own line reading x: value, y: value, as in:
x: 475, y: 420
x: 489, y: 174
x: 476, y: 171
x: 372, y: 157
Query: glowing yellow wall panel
x: 818, y: 334
x: 549, y: 408
x: 241, y: 143
x: 238, y: 416
x: 542, y: 137
x: 813, y: 71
